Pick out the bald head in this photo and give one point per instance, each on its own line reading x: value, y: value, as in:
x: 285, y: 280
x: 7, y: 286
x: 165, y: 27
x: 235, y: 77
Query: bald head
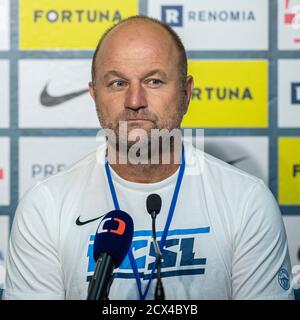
x: 132, y: 37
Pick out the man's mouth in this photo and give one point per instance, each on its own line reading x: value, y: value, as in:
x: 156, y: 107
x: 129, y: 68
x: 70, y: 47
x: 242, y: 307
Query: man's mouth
x: 138, y: 120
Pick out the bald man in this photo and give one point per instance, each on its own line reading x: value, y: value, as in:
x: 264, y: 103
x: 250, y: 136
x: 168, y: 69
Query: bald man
x: 220, y: 230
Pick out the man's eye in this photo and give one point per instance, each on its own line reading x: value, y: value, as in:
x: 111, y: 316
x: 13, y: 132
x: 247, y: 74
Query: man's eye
x: 154, y: 82
x: 118, y: 84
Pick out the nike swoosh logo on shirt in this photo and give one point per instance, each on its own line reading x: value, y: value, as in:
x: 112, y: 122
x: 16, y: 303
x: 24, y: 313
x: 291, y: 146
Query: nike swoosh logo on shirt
x: 81, y: 223
x: 48, y: 100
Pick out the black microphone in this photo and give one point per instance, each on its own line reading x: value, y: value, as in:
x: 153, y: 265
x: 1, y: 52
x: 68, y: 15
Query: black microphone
x: 153, y: 204
x: 112, y: 243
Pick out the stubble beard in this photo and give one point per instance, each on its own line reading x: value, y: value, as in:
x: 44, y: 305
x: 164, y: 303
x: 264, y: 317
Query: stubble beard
x: 150, y: 141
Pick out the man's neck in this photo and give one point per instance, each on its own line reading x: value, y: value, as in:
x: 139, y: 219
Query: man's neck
x: 147, y: 173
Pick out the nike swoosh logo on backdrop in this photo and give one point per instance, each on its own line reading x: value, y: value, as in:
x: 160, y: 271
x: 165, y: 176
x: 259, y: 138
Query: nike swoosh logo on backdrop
x: 81, y: 223
x: 48, y: 100
x: 233, y: 162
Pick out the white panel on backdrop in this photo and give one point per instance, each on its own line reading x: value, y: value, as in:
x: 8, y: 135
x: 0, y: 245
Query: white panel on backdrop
x: 4, y: 94
x: 4, y: 234
x: 292, y: 226
x: 4, y: 172
x: 54, y: 94
x: 289, y: 93
x: 4, y: 24
x: 249, y: 154
x: 43, y: 156
x: 289, y: 24
x: 216, y: 24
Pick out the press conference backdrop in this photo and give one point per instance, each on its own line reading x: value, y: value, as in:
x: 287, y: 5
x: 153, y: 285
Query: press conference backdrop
x: 244, y: 56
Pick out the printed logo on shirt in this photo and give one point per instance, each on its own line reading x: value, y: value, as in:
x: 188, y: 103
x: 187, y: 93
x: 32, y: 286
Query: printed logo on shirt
x: 69, y: 24
x: 81, y: 223
x: 181, y: 254
x: 283, y: 279
x: 228, y: 94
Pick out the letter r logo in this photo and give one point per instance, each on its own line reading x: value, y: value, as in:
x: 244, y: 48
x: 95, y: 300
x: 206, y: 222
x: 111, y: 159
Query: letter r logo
x: 172, y: 15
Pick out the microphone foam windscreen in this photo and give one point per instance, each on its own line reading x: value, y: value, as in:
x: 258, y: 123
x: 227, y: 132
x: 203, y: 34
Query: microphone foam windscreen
x: 153, y: 203
x: 114, y: 236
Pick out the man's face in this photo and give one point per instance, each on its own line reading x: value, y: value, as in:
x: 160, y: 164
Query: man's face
x: 137, y: 79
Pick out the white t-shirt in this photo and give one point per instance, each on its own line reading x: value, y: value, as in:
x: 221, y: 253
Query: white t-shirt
x: 226, y: 239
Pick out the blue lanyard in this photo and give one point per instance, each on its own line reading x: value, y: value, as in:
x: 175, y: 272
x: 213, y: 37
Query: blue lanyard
x: 165, y: 232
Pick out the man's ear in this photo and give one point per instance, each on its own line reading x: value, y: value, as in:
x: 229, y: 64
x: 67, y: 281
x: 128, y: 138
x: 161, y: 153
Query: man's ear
x: 188, y: 90
x: 92, y: 89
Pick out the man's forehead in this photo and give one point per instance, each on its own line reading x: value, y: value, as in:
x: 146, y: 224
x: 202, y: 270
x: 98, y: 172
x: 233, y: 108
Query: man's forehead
x: 127, y: 68
x: 138, y: 27
x: 137, y: 41
x: 131, y: 57
x: 143, y: 74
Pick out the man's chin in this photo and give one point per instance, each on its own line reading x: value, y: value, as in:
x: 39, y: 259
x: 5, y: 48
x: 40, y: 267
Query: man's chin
x: 140, y: 125
x: 139, y: 144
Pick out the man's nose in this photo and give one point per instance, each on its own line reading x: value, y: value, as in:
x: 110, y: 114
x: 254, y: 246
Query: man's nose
x: 135, y: 97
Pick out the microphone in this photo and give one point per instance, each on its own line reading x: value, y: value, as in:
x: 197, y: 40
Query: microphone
x: 153, y: 205
x: 112, y: 242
